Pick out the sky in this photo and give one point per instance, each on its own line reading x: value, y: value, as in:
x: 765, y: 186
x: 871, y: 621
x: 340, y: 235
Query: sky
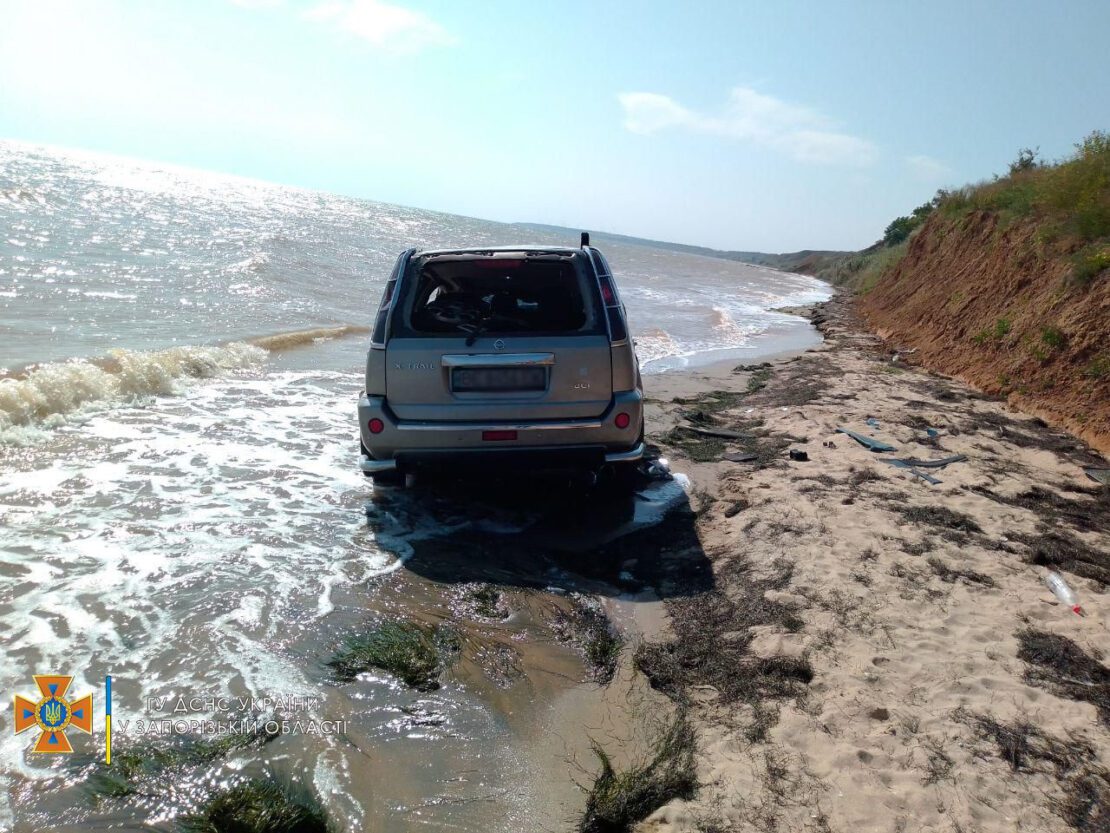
x: 739, y: 125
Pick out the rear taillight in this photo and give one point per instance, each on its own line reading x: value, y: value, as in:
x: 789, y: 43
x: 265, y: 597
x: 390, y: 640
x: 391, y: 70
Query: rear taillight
x: 622, y: 420
x: 382, y: 317
x: 376, y: 426
x: 617, y: 330
x: 614, y: 312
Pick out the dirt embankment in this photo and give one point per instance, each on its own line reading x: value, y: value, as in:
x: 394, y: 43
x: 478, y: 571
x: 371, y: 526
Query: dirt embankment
x: 998, y: 306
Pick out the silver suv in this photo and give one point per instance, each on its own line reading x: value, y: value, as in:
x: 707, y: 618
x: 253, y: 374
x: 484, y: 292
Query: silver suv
x: 517, y: 356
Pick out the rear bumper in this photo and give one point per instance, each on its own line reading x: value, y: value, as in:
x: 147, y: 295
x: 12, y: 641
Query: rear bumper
x: 570, y: 443
x: 532, y: 459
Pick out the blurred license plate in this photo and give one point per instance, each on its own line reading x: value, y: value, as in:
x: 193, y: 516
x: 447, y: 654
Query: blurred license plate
x: 498, y: 378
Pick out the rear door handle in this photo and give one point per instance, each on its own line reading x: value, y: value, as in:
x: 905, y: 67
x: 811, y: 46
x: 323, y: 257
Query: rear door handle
x: 500, y: 360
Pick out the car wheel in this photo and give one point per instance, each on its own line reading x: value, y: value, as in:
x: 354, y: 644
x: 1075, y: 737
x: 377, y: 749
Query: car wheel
x: 393, y: 479
x: 626, y: 476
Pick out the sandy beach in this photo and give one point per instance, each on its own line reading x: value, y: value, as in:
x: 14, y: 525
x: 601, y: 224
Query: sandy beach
x: 875, y: 651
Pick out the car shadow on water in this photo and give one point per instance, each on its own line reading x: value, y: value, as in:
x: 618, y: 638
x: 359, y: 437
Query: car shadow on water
x: 540, y: 533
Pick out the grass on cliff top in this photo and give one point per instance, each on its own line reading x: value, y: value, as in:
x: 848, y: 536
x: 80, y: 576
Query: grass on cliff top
x: 1071, y: 197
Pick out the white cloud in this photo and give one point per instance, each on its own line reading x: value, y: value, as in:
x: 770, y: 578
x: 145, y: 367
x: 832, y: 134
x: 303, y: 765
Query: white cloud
x: 752, y: 116
x: 647, y: 112
x: 928, y: 169
x: 390, y: 28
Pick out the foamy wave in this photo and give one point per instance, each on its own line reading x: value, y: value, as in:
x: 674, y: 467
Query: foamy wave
x: 300, y: 338
x: 257, y: 262
x: 655, y: 343
x: 721, y: 319
x: 49, y: 393
x: 728, y: 330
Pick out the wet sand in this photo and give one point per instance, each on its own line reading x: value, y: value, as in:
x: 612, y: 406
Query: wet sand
x: 917, y: 611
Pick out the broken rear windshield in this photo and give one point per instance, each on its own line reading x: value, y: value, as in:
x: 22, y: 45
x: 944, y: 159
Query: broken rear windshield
x: 503, y: 295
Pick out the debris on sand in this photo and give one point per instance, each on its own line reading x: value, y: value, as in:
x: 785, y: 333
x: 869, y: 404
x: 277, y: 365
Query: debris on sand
x: 870, y: 443
x: 913, y: 462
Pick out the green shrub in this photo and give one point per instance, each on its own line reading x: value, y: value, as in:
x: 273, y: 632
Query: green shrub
x: 999, y: 331
x: 1080, y: 187
x: 1026, y: 161
x: 876, y: 265
x: 956, y: 202
x: 1053, y: 337
x: 898, y: 230
x: 1098, y: 368
x: 1090, y: 263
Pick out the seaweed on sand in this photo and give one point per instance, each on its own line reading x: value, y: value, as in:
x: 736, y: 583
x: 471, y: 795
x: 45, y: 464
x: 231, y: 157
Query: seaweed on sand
x: 1055, y: 548
x: 953, y: 574
x: 410, y: 651
x: 950, y: 524
x: 257, y: 807
x: 712, y: 636
x: 1085, y: 803
x: 586, y: 624
x: 1059, y: 665
x: 130, y: 766
x: 1023, y: 746
x: 1090, y: 513
x: 619, y: 799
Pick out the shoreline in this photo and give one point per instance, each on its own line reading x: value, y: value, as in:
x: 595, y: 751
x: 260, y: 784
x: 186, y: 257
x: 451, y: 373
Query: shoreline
x: 898, y: 613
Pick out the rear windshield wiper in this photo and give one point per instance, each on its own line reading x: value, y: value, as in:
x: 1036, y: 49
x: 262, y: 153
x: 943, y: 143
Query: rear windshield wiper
x: 475, y: 330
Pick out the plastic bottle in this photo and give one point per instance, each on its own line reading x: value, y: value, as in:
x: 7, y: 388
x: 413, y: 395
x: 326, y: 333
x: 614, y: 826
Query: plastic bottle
x: 1060, y: 588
